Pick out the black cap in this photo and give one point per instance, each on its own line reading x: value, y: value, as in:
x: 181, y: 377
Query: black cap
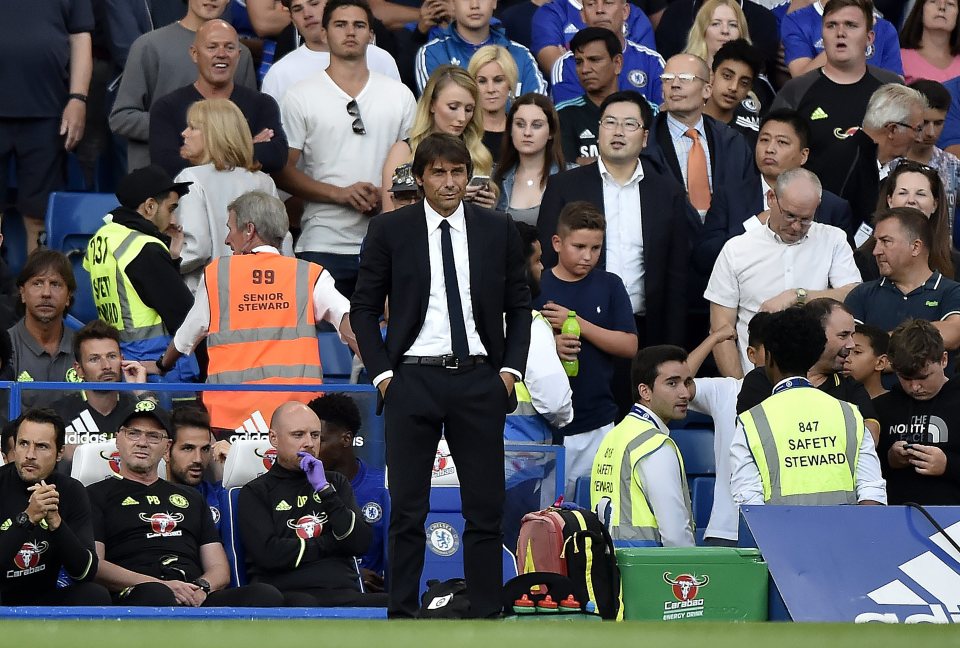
x: 148, y: 182
x: 148, y: 409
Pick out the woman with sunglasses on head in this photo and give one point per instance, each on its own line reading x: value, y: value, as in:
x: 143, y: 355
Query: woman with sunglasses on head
x: 495, y: 72
x: 531, y: 154
x: 448, y: 105
x: 916, y: 185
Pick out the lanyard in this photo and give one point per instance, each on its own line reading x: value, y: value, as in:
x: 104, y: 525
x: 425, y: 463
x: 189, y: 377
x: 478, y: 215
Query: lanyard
x: 796, y: 381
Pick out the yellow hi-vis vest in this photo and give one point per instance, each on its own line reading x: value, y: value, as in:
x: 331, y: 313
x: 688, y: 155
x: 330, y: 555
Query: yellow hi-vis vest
x: 614, y: 483
x: 806, y: 444
x: 109, y: 253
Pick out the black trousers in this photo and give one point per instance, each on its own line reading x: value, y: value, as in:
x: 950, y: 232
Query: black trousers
x: 76, y: 594
x: 469, y: 406
x: 159, y: 595
x: 319, y: 597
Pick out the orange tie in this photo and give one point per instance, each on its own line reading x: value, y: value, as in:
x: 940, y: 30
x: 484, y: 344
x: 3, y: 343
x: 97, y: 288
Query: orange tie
x: 698, y: 187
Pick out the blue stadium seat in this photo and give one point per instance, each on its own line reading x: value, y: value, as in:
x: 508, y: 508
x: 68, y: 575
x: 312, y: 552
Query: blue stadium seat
x: 581, y: 493
x: 696, y: 446
x: 692, y: 420
x: 701, y: 499
x: 336, y: 358
x: 14, y: 241
x: 72, y: 219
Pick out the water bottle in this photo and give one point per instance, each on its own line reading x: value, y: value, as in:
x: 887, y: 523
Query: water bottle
x: 571, y: 327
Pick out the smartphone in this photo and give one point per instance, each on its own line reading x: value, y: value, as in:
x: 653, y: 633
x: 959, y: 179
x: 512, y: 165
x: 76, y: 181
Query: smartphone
x: 481, y: 181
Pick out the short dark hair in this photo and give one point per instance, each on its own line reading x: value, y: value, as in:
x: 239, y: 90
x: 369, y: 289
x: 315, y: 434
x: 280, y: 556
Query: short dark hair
x: 742, y: 51
x: 757, y: 329
x: 44, y: 260
x: 630, y: 96
x: 791, y: 117
x: 822, y: 308
x: 94, y: 330
x: 528, y: 236
x: 866, y: 6
x: 795, y: 341
x: 191, y: 415
x: 589, y: 35
x: 339, y: 410
x: 580, y: 215
x: 45, y: 415
x: 440, y: 146
x: 333, y: 5
x: 8, y: 436
x: 936, y: 94
x: 913, y: 344
x: 646, y: 364
x: 913, y: 221
x: 878, y: 339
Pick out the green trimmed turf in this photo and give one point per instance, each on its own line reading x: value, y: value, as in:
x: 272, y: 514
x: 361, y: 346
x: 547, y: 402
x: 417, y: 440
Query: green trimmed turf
x: 460, y: 634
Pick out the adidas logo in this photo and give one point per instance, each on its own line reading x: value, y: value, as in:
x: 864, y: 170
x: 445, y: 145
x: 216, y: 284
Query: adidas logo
x: 818, y: 114
x: 129, y: 501
x: 586, y: 134
x: 84, y: 429
x: 253, y: 426
x: 24, y: 377
x: 570, y: 29
x: 283, y: 506
x: 929, y: 574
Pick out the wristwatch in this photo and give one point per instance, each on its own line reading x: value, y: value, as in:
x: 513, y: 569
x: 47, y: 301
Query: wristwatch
x: 203, y: 584
x: 23, y: 521
x: 801, y: 296
x: 78, y: 96
x: 163, y: 370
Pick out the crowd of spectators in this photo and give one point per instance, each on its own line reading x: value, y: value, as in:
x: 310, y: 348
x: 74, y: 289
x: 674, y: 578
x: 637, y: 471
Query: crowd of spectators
x: 678, y: 171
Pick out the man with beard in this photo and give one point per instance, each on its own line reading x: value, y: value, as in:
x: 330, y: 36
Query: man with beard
x: 544, y: 404
x: 94, y: 416
x: 191, y: 452
x: 46, y: 523
x: 827, y: 373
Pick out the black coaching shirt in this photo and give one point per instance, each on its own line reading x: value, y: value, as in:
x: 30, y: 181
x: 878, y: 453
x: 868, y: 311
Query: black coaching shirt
x: 153, y: 530
x: 30, y: 559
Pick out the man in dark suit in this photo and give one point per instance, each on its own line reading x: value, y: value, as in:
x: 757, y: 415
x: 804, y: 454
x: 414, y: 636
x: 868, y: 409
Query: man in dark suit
x: 457, y: 341
x: 782, y: 144
x: 648, y: 218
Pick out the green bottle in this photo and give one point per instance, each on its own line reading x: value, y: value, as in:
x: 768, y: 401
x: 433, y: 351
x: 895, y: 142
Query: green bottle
x: 571, y: 327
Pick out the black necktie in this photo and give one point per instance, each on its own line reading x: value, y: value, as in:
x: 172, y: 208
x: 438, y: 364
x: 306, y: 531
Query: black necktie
x: 458, y: 331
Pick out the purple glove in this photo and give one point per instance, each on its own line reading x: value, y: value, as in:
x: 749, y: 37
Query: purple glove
x: 313, y: 467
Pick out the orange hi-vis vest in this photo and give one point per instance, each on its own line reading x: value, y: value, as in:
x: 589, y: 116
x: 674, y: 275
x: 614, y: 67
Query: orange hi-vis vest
x: 262, y: 331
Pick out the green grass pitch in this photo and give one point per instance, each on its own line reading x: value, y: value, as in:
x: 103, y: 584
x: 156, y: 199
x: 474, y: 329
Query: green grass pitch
x: 461, y: 634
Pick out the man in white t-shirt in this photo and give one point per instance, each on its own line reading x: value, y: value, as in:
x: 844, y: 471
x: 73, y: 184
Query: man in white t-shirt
x: 341, y: 124
x: 788, y: 262
x: 313, y: 55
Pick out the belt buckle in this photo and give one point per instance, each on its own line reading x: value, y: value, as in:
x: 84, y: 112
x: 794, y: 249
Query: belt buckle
x: 450, y: 361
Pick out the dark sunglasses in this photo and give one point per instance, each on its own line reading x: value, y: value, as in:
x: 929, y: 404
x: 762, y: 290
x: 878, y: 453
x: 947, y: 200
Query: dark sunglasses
x: 354, y: 111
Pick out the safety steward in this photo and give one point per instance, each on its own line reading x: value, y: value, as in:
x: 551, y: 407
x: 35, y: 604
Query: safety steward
x: 638, y: 485
x: 259, y: 311
x: 802, y: 446
x: 134, y: 266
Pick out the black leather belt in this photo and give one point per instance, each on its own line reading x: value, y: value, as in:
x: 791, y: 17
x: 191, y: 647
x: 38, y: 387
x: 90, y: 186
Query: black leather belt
x: 446, y: 361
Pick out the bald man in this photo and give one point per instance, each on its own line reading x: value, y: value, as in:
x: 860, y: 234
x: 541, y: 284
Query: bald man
x: 300, y: 524
x: 710, y: 159
x: 216, y: 54
x: 159, y: 62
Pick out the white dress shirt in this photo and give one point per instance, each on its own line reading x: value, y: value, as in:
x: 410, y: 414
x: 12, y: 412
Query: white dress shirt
x: 754, y: 221
x: 747, y: 486
x: 682, y: 145
x: 717, y: 398
x: 659, y: 475
x: 624, y: 235
x: 758, y: 265
x: 328, y: 304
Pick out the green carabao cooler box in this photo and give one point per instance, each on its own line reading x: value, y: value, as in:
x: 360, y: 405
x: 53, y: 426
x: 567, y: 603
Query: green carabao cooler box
x: 693, y: 584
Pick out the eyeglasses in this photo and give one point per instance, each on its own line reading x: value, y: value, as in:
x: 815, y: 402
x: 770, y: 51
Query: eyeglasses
x: 915, y: 129
x: 791, y: 218
x: 628, y: 125
x: 354, y: 111
x: 153, y: 437
x: 684, y: 78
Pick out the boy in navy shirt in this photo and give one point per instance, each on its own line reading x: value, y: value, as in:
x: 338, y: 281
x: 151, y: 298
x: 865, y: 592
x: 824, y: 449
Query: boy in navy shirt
x: 607, y: 330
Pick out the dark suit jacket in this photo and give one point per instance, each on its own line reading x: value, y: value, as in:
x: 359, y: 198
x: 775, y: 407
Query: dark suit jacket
x: 395, y: 263
x: 734, y: 208
x: 666, y: 221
